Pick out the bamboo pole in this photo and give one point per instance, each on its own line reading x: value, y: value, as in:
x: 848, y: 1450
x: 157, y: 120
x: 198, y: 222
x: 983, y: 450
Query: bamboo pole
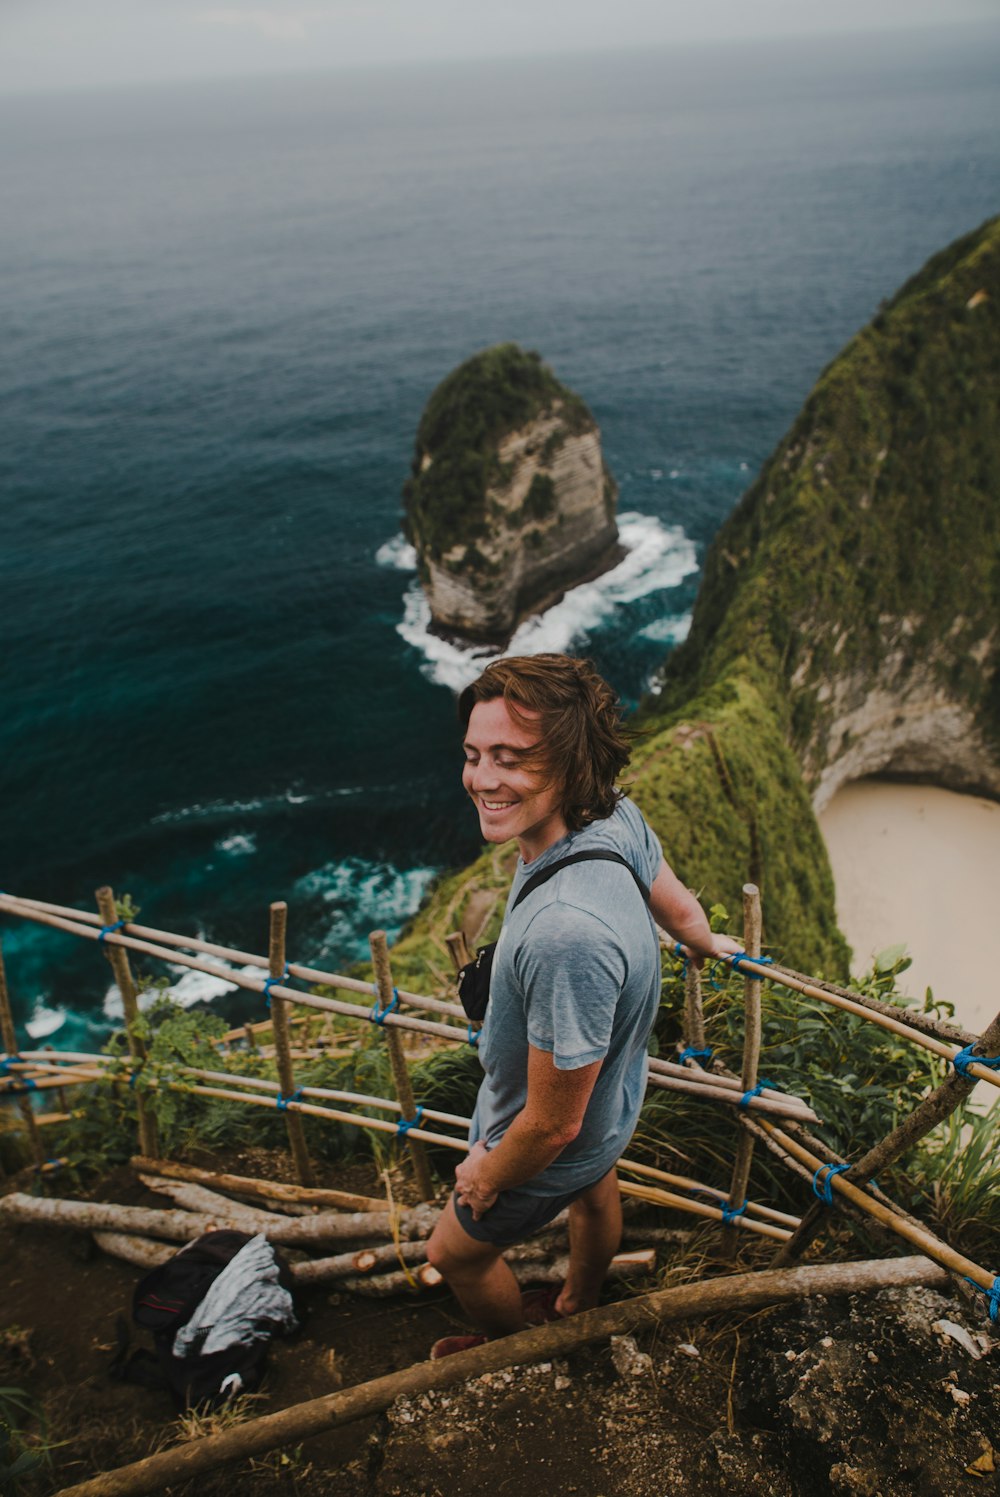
x: 291, y: 1426
x: 120, y: 966
x: 911, y: 1231
x: 231, y: 954
x: 683, y: 1182
x: 240, y: 979
x: 656, y: 1197
x: 934, y: 1108
x: 62, y: 1100
x: 853, y: 1005
x: 400, y: 1072
x: 272, y: 1190
x: 283, y: 1044
x: 751, y: 1060
x: 9, y: 1035
x: 705, y: 1085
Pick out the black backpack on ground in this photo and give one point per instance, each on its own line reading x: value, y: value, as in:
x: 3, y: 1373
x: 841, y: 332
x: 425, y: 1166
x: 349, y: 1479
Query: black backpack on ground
x: 163, y: 1301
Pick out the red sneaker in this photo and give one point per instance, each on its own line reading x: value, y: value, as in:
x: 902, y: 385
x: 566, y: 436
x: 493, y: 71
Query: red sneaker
x: 539, y: 1305
x: 449, y: 1345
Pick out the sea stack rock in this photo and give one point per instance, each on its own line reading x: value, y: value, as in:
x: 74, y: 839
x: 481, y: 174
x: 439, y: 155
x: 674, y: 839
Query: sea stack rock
x: 509, y: 502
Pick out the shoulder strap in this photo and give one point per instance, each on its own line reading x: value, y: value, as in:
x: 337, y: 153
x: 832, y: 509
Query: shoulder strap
x: 544, y: 874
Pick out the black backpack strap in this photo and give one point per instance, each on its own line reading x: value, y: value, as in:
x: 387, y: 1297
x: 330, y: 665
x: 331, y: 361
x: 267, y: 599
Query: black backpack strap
x: 544, y: 874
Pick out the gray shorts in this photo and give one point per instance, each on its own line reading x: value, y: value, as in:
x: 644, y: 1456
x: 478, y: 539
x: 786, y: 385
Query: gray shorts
x: 515, y: 1214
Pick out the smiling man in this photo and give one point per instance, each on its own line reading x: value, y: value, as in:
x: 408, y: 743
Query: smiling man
x: 575, y: 987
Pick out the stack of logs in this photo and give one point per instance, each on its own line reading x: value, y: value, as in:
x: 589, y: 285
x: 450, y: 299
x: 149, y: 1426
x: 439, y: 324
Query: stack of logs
x: 377, y: 1247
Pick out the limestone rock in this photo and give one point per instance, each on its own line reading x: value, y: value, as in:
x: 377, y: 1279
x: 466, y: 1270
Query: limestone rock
x: 509, y: 502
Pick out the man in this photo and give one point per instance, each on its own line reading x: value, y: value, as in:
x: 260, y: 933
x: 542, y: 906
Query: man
x: 574, y: 992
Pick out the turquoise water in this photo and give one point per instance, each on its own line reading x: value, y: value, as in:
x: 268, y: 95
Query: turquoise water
x: 224, y: 308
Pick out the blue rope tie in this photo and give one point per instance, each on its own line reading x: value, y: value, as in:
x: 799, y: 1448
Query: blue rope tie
x: 741, y: 956
x: 50, y: 1164
x: 270, y: 982
x: 107, y: 929
x: 824, y: 1191
x: 713, y: 967
x: 281, y: 1101
x: 23, y: 1084
x: 132, y: 1078
x: 473, y: 1036
x: 754, y: 1091
x: 405, y: 1124
x: 992, y: 1295
x: 378, y: 1014
x: 965, y: 1057
x: 690, y: 1053
x: 730, y: 1213
x: 11, y: 1060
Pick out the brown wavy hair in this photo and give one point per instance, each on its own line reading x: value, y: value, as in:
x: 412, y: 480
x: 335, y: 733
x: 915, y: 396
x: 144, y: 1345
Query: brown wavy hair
x: 581, y: 741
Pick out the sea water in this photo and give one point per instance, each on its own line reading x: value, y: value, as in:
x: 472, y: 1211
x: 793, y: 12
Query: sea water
x: 224, y: 308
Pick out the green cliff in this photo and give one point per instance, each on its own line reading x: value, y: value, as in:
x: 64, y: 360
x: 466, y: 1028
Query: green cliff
x: 847, y: 623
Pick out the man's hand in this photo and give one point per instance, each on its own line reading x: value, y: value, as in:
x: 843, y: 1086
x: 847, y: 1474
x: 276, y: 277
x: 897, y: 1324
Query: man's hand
x: 471, y: 1189
x: 722, y: 946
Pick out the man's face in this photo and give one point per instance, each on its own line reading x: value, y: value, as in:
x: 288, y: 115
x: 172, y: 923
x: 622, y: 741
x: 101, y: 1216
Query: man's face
x: 512, y: 800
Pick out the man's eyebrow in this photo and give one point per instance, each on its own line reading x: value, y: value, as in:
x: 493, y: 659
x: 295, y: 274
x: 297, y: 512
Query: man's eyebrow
x: 503, y: 748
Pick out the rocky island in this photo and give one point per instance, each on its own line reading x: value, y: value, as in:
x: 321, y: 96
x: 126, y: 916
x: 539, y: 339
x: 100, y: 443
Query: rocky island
x: 509, y: 501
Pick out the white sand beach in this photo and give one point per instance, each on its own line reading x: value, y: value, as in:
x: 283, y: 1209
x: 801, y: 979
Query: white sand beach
x: 920, y: 865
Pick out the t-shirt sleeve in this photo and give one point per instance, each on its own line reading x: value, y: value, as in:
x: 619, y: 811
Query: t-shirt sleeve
x: 571, y: 969
x: 646, y: 844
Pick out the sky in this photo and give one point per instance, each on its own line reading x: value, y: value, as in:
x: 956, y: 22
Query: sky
x: 60, y: 44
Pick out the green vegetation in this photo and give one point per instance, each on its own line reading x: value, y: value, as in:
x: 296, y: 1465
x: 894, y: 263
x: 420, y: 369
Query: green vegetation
x: 455, y: 460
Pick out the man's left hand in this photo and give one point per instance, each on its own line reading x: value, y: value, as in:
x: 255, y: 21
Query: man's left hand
x: 471, y: 1189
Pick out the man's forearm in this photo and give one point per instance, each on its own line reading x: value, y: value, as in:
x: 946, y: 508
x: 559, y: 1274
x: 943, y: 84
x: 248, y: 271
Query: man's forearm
x: 524, y: 1151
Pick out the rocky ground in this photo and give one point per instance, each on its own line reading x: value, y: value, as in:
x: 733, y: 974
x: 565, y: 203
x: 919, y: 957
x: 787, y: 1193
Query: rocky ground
x: 894, y: 1395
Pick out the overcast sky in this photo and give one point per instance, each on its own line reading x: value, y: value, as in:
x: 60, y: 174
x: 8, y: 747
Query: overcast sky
x: 55, y: 44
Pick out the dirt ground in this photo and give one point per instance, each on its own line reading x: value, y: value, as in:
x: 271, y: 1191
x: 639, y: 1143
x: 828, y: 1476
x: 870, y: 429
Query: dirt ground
x: 703, y: 1409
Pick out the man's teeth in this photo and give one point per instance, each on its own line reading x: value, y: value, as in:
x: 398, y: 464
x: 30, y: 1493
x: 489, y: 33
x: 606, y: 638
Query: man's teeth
x: 497, y: 805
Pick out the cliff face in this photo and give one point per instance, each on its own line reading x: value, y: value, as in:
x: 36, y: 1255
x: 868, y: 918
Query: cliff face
x: 509, y: 501
x: 861, y: 572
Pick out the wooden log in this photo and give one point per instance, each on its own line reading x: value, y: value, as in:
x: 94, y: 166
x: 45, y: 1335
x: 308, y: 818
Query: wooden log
x: 379, y: 947
x: 206, y: 1202
x: 934, y: 1108
x: 275, y: 1190
x: 733, y: 1294
x: 142, y: 1251
x: 526, y: 1271
x: 183, y: 1226
x: 9, y: 1036
x: 751, y: 1059
x: 148, y: 1142
x: 283, y: 1044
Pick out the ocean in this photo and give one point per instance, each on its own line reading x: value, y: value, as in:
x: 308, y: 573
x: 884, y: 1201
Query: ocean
x: 224, y: 308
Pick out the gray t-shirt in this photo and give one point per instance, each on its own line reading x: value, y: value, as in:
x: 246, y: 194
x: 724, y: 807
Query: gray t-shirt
x: 576, y: 972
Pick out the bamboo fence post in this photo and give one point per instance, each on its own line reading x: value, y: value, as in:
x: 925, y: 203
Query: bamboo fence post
x: 400, y: 1073
x: 935, y: 1107
x: 751, y: 1059
x: 60, y: 1094
x: 283, y: 1044
x: 118, y: 957
x: 694, y: 1017
x: 9, y: 1035
x: 251, y: 1038
x: 459, y: 949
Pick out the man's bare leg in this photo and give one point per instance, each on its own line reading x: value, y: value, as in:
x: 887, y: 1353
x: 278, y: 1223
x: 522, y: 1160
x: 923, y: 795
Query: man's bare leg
x: 477, y: 1276
x: 595, y: 1232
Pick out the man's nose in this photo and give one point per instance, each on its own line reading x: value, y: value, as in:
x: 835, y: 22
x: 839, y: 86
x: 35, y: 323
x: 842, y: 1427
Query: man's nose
x: 484, y: 776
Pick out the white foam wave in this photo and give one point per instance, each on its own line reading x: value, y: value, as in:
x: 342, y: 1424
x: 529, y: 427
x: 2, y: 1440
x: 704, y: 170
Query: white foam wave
x: 671, y: 630
x: 397, y: 553
x: 657, y: 557
x: 191, y: 987
x: 359, y: 896
x: 45, y: 1021
x: 237, y: 845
